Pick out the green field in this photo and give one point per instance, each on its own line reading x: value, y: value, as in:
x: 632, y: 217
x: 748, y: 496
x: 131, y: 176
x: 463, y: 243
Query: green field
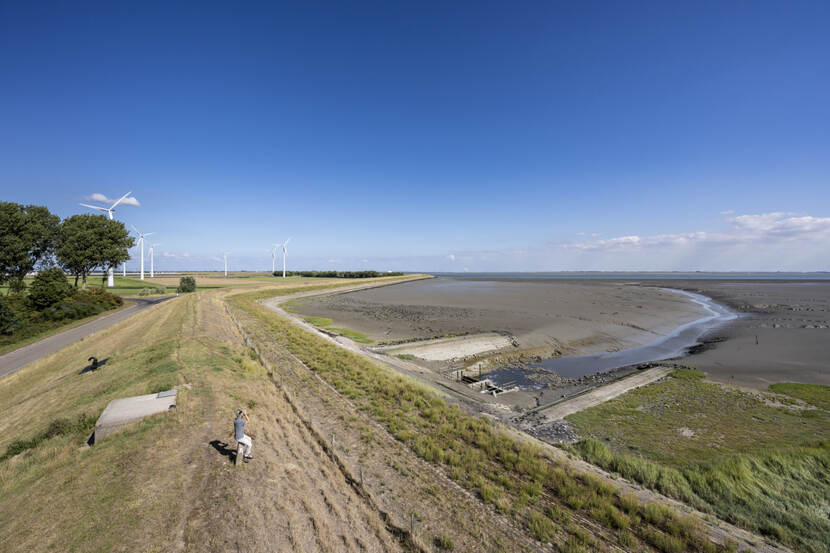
x: 757, y: 460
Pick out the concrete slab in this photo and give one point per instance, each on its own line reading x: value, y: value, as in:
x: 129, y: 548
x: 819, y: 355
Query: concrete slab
x: 122, y: 412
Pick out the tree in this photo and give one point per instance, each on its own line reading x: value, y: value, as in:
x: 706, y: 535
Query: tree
x: 49, y: 287
x: 28, y: 235
x: 89, y: 242
x: 7, y: 319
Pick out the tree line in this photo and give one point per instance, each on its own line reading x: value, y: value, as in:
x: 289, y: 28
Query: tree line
x: 31, y: 237
x: 337, y: 274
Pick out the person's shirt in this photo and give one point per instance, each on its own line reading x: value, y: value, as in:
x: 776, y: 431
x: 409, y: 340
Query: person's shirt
x: 238, y: 428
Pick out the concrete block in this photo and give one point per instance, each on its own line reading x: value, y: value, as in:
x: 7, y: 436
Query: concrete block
x: 122, y: 412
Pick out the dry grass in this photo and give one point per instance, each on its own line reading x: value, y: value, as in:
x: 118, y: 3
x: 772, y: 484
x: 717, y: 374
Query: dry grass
x: 160, y: 485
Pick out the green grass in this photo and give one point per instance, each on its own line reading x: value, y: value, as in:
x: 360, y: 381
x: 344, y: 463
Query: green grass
x: 124, y: 286
x: 814, y: 394
x: 318, y: 321
x: 353, y: 335
x: 687, y: 374
x: 763, y: 467
x: 517, y: 478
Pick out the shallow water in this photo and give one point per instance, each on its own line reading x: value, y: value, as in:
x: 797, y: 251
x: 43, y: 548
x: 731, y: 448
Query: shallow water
x: 667, y: 347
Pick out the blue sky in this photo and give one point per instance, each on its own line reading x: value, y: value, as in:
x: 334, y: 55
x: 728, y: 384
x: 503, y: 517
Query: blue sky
x: 432, y: 136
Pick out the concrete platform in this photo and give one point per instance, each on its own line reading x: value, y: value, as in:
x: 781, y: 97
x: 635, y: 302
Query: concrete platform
x: 122, y: 412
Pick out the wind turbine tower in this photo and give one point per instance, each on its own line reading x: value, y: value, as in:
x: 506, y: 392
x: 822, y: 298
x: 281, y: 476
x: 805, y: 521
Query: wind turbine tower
x: 226, y: 262
x: 109, y: 211
x: 273, y: 258
x: 283, y: 255
x: 141, y: 246
x: 152, y: 258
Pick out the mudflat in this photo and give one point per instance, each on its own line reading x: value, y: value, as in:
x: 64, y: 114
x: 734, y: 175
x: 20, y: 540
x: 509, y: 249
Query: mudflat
x: 782, y: 333
x: 571, y: 317
x: 789, y: 318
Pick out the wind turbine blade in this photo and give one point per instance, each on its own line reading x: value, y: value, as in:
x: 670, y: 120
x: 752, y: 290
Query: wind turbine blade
x: 149, y: 233
x: 95, y: 207
x: 287, y: 241
x: 119, y: 200
x: 135, y: 229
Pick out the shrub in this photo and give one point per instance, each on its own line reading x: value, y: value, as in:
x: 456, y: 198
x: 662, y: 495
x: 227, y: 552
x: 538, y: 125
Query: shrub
x: 83, y: 303
x: 17, y: 286
x: 186, y: 284
x: 48, y: 288
x: 8, y: 321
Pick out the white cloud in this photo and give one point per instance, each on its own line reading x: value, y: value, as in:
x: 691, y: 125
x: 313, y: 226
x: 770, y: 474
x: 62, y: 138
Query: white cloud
x: 451, y: 257
x: 745, y: 229
x: 101, y: 198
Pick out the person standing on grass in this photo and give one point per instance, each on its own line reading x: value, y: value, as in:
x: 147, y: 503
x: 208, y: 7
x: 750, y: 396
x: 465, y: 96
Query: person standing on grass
x: 239, y: 432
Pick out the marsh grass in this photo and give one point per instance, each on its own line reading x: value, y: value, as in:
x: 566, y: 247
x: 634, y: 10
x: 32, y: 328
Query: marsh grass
x: 515, y: 477
x: 814, y: 394
x: 353, y: 335
x: 759, y: 466
x: 318, y: 321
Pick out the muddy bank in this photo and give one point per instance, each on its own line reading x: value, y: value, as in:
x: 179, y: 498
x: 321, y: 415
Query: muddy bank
x: 783, y: 334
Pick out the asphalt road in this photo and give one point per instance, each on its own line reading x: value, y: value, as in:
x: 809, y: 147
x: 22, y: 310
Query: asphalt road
x: 19, y: 358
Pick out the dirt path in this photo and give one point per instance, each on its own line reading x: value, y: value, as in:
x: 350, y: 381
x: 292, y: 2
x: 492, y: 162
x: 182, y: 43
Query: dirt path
x: 292, y: 496
x: 602, y: 394
x: 19, y: 358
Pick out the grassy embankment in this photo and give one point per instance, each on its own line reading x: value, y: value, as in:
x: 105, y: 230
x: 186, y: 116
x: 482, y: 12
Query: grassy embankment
x: 142, y: 488
x: 128, y: 492
x: 753, y: 460
x: 518, y: 479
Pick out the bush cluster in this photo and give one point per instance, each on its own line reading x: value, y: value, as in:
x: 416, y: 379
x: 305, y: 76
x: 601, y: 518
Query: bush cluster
x: 48, y: 288
x: 337, y: 274
x: 154, y: 290
x: 83, y: 303
x: 186, y: 284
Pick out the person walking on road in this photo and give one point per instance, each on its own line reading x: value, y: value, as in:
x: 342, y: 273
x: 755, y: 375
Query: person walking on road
x: 239, y: 432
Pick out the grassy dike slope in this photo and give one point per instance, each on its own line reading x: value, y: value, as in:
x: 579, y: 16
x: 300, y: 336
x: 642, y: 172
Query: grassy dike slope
x: 167, y: 484
x: 549, y: 501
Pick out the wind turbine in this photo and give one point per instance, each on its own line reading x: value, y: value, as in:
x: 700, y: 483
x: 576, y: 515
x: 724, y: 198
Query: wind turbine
x: 141, y: 245
x: 152, y: 257
x: 283, y: 254
x: 273, y: 258
x: 110, y: 210
x: 226, y: 262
